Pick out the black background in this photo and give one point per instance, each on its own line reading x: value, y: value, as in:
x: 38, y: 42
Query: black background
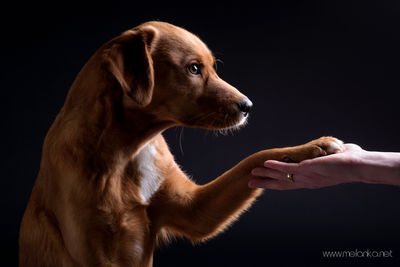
x: 311, y: 68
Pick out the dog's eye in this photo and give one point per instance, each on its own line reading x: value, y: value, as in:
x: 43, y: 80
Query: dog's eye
x: 194, y: 69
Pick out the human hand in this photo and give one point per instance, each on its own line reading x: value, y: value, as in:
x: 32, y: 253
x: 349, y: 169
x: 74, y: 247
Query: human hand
x: 315, y: 173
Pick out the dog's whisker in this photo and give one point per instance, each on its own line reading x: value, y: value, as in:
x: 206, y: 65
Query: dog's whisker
x: 180, y: 140
x: 216, y: 63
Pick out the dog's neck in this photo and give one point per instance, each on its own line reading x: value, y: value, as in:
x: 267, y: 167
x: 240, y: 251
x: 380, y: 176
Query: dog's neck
x: 97, y: 138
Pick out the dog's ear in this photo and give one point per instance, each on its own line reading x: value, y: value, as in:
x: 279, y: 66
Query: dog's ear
x: 130, y: 62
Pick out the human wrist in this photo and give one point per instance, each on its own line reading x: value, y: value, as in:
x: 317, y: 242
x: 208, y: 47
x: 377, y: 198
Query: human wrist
x: 379, y: 167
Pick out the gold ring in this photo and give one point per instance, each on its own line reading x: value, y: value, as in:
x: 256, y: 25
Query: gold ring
x: 290, y: 177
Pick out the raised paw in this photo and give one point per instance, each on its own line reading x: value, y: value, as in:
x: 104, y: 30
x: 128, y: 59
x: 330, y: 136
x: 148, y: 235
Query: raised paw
x: 329, y: 144
x: 319, y: 147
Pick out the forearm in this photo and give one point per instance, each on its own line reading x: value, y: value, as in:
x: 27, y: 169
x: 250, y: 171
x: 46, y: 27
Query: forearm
x: 379, y: 168
x: 218, y: 203
x: 230, y: 191
x: 201, y: 211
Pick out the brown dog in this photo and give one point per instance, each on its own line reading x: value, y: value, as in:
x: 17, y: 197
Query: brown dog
x: 108, y: 187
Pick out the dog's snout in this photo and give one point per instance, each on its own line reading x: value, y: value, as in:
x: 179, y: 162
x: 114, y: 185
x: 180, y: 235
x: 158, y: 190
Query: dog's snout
x: 245, y: 106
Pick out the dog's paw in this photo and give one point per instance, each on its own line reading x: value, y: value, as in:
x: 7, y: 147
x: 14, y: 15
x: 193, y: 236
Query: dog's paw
x: 329, y: 145
x: 320, y: 147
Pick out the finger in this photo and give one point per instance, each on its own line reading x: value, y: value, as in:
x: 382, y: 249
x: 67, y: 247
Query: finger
x: 273, y: 184
x: 266, y: 172
x: 257, y: 182
x: 281, y: 166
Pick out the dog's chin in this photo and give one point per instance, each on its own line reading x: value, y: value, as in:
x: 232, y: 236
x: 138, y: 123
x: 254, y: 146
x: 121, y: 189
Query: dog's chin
x: 240, y: 123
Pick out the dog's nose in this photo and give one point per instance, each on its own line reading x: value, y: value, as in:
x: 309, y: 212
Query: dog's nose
x: 245, y: 106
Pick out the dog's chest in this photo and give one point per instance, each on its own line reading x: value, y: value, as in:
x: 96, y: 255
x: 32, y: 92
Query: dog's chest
x: 150, y: 179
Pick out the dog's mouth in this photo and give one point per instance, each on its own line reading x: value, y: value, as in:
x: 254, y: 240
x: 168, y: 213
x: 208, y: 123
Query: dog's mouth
x: 218, y: 121
x: 240, y: 124
x: 219, y: 115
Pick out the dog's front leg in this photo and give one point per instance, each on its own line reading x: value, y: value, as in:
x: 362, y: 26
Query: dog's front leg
x: 200, y: 212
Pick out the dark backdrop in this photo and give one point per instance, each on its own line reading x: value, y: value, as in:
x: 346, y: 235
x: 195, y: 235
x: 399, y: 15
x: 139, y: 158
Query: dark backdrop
x: 311, y: 68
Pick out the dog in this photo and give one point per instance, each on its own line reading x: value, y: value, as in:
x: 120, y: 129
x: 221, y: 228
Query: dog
x: 108, y: 188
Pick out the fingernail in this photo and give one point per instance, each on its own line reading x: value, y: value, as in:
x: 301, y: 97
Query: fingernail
x: 267, y: 163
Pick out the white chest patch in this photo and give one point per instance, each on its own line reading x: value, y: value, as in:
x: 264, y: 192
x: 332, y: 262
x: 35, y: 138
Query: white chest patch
x: 150, y: 179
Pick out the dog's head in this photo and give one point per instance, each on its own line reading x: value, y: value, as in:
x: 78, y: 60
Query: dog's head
x: 168, y: 72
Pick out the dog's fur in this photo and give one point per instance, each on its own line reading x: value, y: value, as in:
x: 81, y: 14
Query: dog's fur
x: 108, y: 187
